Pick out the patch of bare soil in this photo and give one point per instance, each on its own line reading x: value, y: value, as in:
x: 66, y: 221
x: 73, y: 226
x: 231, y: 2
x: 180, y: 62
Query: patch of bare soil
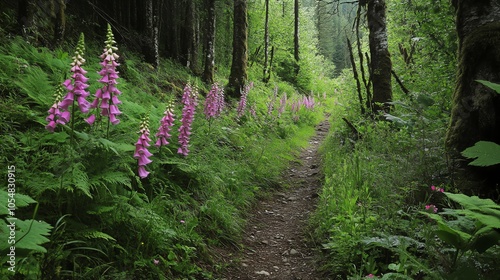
x: 274, y: 243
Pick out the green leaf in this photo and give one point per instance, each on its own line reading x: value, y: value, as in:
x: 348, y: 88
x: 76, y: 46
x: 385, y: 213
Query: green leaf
x: 21, y: 200
x: 493, y: 86
x: 484, y: 239
x: 395, y: 119
x: 486, y: 153
x: 30, y: 234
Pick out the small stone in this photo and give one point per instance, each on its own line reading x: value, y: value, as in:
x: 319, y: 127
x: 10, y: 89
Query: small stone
x: 265, y: 242
x: 276, y: 267
x: 263, y: 272
x: 244, y: 264
x: 293, y: 252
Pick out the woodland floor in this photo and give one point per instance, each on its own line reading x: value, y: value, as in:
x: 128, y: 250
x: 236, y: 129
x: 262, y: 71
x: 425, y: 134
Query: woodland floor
x: 274, y: 244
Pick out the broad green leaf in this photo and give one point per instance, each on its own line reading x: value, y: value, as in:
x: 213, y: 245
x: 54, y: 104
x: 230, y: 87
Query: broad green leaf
x: 30, y: 234
x: 21, y: 200
x: 485, y: 153
x: 484, y: 239
x: 493, y: 86
x: 471, y: 201
x: 395, y: 119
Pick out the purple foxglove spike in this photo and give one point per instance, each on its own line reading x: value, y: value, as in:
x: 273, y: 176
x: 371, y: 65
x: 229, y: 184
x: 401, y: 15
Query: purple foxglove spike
x: 90, y: 120
x: 142, y: 172
x: 113, y: 119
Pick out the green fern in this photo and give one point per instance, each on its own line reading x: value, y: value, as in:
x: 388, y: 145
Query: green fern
x: 95, y: 234
x: 80, y: 180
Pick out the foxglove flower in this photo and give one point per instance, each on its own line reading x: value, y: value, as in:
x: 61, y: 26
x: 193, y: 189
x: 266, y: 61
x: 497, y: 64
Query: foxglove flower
x: 189, y: 100
x: 77, y: 85
x: 141, y: 148
x: 283, y: 101
x: 106, y: 98
x: 166, y: 124
x: 270, y: 105
x: 253, y: 110
x: 221, y: 104
x: 242, y: 105
x: 212, y: 102
x: 56, y: 114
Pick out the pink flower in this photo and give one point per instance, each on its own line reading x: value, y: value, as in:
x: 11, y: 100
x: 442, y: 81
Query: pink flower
x: 212, y: 102
x: 182, y: 221
x: 283, y: 101
x: 189, y: 100
x: 431, y: 208
x: 270, y: 105
x: 76, y: 86
x: 242, y: 105
x: 156, y: 262
x: 166, y: 124
x: 141, y: 149
x: 436, y: 189
x: 57, y: 115
x: 106, y: 97
x: 369, y: 276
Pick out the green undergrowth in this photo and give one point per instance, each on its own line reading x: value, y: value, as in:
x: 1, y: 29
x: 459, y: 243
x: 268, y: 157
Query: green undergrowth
x: 101, y: 220
x: 375, y: 217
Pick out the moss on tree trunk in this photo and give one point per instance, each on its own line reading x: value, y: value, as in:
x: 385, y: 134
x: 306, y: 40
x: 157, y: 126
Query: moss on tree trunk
x: 476, y: 108
x: 381, y: 64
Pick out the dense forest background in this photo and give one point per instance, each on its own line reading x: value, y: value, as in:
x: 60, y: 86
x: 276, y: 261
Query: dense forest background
x: 229, y: 91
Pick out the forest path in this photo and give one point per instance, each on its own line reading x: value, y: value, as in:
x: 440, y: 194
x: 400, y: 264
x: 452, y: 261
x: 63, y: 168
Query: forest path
x: 274, y: 241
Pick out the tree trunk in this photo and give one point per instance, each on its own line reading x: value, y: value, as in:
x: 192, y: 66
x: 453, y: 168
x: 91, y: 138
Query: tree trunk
x: 26, y: 18
x: 296, y: 32
x: 208, y: 73
x: 238, y: 75
x: 59, y: 22
x: 151, y: 47
x: 381, y: 65
x: 265, y: 77
x: 476, y: 109
x: 192, y: 50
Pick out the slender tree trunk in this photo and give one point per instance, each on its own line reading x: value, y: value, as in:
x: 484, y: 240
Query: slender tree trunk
x: 296, y: 52
x: 208, y: 73
x: 476, y: 108
x: 238, y: 75
x: 59, y: 22
x: 381, y: 64
x: 26, y: 18
x: 265, y: 77
x: 152, y: 53
x: 191, y: 22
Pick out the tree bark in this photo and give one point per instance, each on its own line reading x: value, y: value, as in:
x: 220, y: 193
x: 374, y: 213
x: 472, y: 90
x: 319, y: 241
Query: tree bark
x: 152, y: 45
x: 265, y: 73
x: 208, y: 73
x: 26, y: 18
x: 59, y: 21
x: 296, y: 51
x: 476, y: 108
x: 192, y: 47
x: 381, y: 64
x: 238, y: 75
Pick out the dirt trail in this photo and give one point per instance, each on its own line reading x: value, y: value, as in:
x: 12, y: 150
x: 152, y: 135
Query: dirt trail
x: 274, y: 244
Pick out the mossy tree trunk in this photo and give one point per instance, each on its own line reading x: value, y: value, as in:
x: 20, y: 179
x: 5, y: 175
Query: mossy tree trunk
x: 209, y: 57
x: 476, y: 108
x: 380, y: 65
x: 238, y: 76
